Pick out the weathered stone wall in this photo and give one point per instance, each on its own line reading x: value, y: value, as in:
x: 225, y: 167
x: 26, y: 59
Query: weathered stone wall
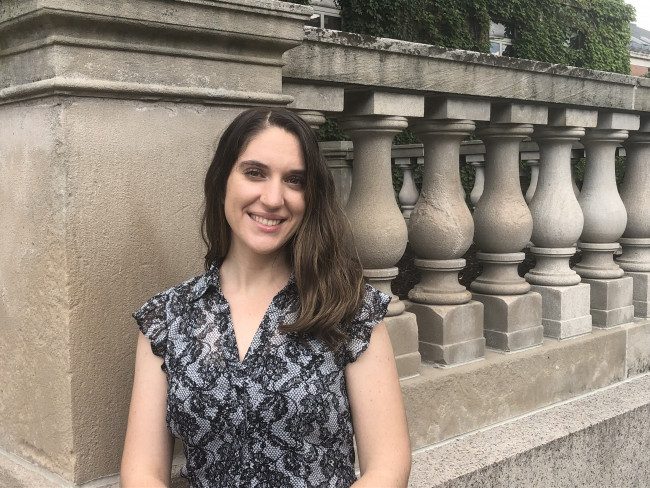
x: 109, y: 116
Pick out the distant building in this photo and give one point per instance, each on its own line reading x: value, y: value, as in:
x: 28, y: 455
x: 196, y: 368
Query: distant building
x: 326, y: 14
x: 639, y: 48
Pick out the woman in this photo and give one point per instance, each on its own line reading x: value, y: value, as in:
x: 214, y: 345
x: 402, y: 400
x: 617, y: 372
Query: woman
x: 268, y: 363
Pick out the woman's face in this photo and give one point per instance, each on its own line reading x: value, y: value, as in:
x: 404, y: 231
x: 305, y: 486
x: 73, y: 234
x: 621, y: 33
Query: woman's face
x: 265, y: 194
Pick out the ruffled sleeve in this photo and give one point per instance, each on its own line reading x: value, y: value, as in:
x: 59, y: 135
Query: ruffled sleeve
x: 372, y: 311
x: 152, y: 322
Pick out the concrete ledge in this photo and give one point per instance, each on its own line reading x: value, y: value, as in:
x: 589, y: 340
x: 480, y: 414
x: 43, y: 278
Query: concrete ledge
x: 443, y: 403
x: 358, y: 60
x: 600, y: 439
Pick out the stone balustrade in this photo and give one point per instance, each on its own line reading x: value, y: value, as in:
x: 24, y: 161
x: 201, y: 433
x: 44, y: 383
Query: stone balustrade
x: 109, y: 115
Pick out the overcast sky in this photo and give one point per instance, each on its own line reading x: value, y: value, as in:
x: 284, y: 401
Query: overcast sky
x: 642, y: 12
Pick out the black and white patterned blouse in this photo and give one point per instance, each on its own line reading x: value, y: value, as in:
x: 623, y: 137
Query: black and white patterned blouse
x: 279, y: 418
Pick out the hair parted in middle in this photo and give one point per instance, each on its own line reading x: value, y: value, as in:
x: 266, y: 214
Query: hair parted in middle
x: 328, y: 272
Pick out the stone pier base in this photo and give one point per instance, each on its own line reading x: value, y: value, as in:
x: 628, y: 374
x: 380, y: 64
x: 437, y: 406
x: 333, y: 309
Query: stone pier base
x: 611, y: 301
x: 450, y: 334
x: 403, y: 332
x: 512, y: 322
x: 565, y: 310
x: 641, y: 293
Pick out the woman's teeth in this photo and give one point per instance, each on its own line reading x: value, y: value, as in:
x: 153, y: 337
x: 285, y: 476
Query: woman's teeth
x: 264, y: 221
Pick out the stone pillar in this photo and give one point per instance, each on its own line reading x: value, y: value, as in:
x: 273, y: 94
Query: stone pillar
x: 605, y: 221
x: 109, y: 116
x: 478, y: 163
x: 440, y: 232
x: 576, y: 156
x: 502, y: 227
x: 531, y: 158
x: 557, y: 224
x: 408, y: 194
x: 377, y: 222
x: 635, y: 193
x: 339, y: 157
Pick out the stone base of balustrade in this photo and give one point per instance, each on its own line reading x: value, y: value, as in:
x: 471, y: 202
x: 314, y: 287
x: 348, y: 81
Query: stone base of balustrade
x: 641, y: 293
x: 450, y: 335
x: 565, y: 310
x: 512, y: 322
x: 403, y: 332
x: 611, y: 301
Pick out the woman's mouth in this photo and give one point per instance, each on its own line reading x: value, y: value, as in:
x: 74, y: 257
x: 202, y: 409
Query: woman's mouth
x: 263, y: 221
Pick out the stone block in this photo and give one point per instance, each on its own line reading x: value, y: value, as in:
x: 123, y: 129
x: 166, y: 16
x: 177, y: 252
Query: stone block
x: 450, y: 334
x: 443, y: 403
x: 517, y: 113
x: 640, y: 293
x: 607, y: 294
x: 403, y: 333
x: 314, y: 97
x: 638, y: 348
x: 613, y: 317
x: 565, y: 329
x: 618, y: 121
x: 565, y: 310
x: 512, y: 322
x: 457, y: 108
x: 572, y: 117
x: 514, y: 341
x: 408, y: 365
x: 448, y: 324
x: 595, y: 441
x: 383, y: 103
x: 453, y: 354
x: 611, y: 301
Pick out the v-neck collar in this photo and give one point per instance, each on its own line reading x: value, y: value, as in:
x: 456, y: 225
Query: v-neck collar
x: 211, y: 279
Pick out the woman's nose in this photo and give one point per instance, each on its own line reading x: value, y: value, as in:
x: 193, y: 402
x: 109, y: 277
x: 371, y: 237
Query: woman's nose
x: 272, y: 194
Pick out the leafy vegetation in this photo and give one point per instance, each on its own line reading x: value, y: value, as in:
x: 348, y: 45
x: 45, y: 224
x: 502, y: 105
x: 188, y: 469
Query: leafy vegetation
x: 587, y: 33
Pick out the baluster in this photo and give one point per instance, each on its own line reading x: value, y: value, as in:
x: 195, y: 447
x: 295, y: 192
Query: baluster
x: 635, y: 193
x: 339, y: 159
x: 531, y: 158
x: 408, y: 194
x: 478, y: 162
x: 440, y: 232
x: 557, y: 224
x: 576, y: 156
x: 502, y: 227
x: 605, y: 221
x: 377, y: 222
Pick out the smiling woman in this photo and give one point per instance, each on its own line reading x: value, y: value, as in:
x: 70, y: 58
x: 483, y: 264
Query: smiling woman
x: 268, y: 363
x: 265, y: 200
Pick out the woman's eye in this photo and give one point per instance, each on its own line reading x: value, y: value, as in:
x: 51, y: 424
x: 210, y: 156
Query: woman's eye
x: 296, y: 181
x: 254, y: 173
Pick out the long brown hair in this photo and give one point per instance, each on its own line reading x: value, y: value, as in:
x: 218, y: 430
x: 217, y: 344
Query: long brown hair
x: 328, y: 272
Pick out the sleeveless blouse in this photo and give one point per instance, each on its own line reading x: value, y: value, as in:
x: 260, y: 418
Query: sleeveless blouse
x: 279, y: 418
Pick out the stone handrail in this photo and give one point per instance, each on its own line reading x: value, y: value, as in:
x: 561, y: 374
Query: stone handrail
x: 380, y: 86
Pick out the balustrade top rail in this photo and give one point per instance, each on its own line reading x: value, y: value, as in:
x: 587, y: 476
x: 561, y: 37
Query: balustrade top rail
x: 363, y: 62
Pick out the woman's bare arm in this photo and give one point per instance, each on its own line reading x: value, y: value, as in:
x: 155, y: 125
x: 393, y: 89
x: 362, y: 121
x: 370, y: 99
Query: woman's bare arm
x: 378, y: 415
x: 148, y: 447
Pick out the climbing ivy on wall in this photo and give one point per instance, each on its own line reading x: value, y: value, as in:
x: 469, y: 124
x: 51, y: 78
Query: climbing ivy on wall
x: 587, y: 33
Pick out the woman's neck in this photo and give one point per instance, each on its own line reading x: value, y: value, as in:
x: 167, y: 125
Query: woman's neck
x: 253, y: 272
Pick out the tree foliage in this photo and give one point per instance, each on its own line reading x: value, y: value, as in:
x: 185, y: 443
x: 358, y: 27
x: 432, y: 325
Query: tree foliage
x: 587, y: 33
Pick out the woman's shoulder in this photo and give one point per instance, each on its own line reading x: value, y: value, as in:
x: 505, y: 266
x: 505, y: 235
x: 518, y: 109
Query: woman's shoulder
x: 187, y: 291
x: 154, y: 317
x: 373, y: 308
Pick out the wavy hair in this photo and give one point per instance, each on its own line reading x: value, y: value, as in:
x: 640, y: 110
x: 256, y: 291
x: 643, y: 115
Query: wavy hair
x: 327, y: 268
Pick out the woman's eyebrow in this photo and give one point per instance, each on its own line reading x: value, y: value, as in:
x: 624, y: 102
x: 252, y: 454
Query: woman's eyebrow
x: 252, y: 163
